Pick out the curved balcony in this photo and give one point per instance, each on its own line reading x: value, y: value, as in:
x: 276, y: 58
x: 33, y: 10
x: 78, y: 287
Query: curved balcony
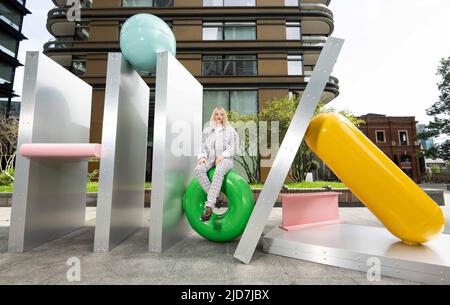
x: 57, y: 23
x: 54, y: 43
x: 317, y: 19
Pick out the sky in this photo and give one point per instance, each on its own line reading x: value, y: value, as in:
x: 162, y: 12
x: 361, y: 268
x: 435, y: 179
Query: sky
x: 388, y: 64
x: 34, y: 28
x: 390, y: 58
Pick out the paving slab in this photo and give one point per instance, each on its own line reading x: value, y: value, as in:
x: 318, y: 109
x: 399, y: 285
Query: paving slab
x: 194, y: 261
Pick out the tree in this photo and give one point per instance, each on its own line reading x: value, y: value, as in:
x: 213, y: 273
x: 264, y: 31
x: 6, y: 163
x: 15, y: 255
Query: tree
x: 283, y: 110
x: 9, y: 128
x: 440, y: 111
x: 249, y: 159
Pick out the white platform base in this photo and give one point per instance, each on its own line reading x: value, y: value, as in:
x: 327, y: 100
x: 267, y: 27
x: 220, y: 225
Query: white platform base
x: 352, y: 247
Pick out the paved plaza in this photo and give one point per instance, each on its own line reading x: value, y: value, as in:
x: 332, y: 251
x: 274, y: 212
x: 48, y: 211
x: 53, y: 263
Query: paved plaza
x: 194, y: 261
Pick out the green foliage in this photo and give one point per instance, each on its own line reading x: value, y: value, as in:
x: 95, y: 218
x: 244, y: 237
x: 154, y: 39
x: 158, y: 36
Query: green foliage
x: 93, y: 175
x: 7, y: 176
x: 440, y: 111
x: 283, y: 110
x: 91, y: 187
x: 436, y: 169
x: 250, y: 160
x: 5, y: 179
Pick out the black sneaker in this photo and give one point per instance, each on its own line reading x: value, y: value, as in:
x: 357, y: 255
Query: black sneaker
x: 206, y: 216
x: 220, y: 203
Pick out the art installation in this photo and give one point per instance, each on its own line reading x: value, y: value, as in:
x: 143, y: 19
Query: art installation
x: 57, y: 155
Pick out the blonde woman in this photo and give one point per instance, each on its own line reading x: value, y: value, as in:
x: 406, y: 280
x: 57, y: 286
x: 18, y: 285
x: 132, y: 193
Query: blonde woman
x: 220, y: 144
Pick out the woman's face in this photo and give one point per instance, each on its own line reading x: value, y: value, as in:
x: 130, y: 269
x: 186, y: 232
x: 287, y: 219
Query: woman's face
x: 219, y: 117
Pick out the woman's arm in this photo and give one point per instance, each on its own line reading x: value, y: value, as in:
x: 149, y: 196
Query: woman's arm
x: 233, y: 149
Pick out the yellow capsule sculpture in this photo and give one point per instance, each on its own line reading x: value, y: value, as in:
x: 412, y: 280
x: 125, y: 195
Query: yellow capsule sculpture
x: 406, y: 211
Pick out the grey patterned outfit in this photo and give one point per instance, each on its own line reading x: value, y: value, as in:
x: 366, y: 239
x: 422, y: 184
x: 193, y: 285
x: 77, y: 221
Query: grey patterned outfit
x: 216, y: 141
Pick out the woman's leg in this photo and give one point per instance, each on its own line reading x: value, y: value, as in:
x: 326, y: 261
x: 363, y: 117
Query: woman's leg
x: 221, y: 170
x: 201, y: 172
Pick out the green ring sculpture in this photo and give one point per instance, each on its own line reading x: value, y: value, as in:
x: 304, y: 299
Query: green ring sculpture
x: 226, y: 227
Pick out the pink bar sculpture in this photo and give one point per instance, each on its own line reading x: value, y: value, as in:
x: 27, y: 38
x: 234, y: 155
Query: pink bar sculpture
x: 61, y: 150
x: 309, y: 209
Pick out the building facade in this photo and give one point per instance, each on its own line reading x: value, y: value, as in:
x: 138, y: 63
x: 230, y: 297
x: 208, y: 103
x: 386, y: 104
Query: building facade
x: 428, y: 143
x: 397, y: 138
x: 12, y: 13
x: 244, y: 52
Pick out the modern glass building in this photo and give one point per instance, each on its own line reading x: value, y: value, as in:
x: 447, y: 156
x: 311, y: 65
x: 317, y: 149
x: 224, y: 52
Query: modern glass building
x: 12, y: 13
x: 244, y: 52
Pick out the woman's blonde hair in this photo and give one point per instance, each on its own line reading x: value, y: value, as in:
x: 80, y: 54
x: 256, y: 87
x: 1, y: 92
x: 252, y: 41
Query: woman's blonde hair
x: 213, y: 117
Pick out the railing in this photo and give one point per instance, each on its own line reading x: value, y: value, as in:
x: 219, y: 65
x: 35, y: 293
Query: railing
x: 332, y: 80
x: 58, y: 44
x: 57, y: 12
x: 314, y: 40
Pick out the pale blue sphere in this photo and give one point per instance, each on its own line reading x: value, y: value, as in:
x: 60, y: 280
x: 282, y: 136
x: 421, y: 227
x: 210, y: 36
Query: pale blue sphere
x: 142, y: 37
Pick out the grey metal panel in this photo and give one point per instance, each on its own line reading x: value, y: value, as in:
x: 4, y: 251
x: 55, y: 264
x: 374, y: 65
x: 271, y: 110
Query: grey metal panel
x: 178, y: 118
x: 351, y: 246
x: 124, y: 155
x: 49, y: 195
x: 288, y: 149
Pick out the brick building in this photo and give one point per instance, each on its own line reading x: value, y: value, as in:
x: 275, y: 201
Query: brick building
x: 397, y: 138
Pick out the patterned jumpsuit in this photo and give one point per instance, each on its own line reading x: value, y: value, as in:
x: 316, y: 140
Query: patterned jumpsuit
x: 218, y: 141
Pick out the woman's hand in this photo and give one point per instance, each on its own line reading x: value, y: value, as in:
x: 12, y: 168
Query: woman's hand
x: 219, y: 159
x: 202, y: 161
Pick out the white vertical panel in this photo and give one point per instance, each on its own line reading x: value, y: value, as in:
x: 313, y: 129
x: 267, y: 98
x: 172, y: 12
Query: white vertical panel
x: 178, y: 118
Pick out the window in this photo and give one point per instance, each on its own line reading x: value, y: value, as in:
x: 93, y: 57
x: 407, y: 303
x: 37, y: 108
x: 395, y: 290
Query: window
x: 405, y: 159
x: 229, y: 31
x: 8, y: 44
x: 6, y: 72
x: 78, y: 67
x: 408, y: 172
x: 82, y: 32
x: 10, y: 15
x: 295, y: 65
x: 147, y: 3
x: 380, y: 136
x: 229, y: 65
x: 293, y: 31
x: 229, y: 2
x: 403, y: 137
x: 291, y: 2
x: 244, y: 102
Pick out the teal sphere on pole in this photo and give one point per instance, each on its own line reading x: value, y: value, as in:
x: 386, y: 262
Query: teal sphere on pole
x: 142, y: 37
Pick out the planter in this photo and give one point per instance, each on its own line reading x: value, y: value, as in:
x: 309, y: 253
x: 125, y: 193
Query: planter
x: 346, y: 198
